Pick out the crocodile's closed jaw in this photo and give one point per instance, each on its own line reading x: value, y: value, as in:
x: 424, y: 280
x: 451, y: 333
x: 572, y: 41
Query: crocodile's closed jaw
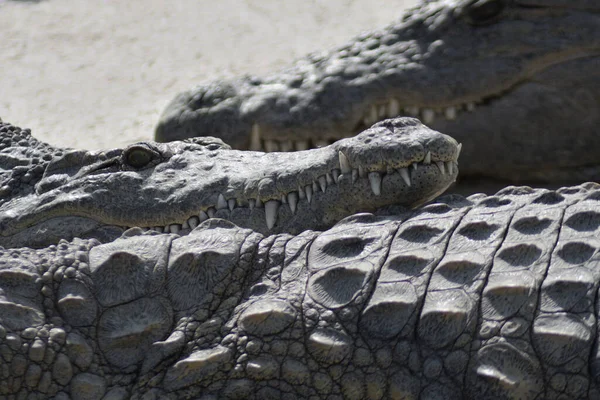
x: 513, y: 88
x: 174, y: 187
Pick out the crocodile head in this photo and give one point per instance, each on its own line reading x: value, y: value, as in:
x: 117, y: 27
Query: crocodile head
x: 515, y: 80
x: 174, y: 186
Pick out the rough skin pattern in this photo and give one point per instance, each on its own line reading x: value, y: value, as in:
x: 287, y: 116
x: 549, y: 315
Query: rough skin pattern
x: 50, y: 194
x: 514, y: 80
x: 483, y: 297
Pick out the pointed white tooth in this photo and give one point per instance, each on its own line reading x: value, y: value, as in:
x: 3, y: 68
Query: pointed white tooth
x: 382, y: 112
x: 221, y: 202
x: 428, y: 116
x: 375, y: 179
x: 251, y: 204
x: 470, y: 106
x: 321, y: 143
x: 174, y: 228
x: 193, y: 222
x: 301, y: 145
x: 315, y: 187
x: 412, y: 111
x: 255, y: 138
x: 405, y: 175
x: 283, y: 199
x: 344, y: 163
x: 450, y: 113
x: 286, y: 145
x: 203, y: 216
x: 292, y: 198
x: 271, y: 208
x: 211, y: 212
x: 258, y: 203
x: 271, y: 146
x: 458, y: 150
x: 167, y: 228
x: 309, y: 192
x: 393, y: 108
x: 427, y: 159
x: 322, y: 183
x: 354, y: 175
x: 361, y: 172
x: 329, y: 178
x: 185, y: 225
x: 231, y: 204
x: 335, y: 174
x: 449, y: 167
x: 440, y: 165
x: 414, y: 165
x: 301, y: 193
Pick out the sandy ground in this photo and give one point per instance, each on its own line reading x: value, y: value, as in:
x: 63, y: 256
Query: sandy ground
x: 97, y: 73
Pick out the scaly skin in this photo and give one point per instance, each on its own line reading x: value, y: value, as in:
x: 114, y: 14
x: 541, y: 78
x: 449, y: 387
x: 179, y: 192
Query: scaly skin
x: 517, y: 81
x: 477, y: 298
x: 51, y: 194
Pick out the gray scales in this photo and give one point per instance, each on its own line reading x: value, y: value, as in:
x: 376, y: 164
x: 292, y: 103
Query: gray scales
x: 478, y: 297
x: 516, y: 81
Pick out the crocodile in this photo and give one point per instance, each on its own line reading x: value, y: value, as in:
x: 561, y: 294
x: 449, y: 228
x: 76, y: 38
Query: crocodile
x: 483, y: 297
x: 517, y: 81
x: 48, y: 194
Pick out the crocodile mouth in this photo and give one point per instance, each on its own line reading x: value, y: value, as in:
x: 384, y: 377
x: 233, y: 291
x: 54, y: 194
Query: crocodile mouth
x: 293, y: 203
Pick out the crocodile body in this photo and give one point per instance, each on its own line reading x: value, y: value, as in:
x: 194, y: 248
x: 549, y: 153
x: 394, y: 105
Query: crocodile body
x: 515, y: 80
x: 466, y: 298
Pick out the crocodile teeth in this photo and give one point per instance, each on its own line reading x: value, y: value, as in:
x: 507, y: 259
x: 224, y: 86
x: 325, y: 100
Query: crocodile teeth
x: 375, y: 179
x: 203, y: 216
x: 231, y: 204
x: 258, y: 203
x: 354, y: 175
x: 414, y: 165
x: 271, y: 208
x: 255, y: 138
x: 393, y: 108
x: 329, y: 179
x: 193, y: 222
x: 221, y: 202
x: 427, y: 159
x: 286, y: 145
x: 440, y: 165
x: 301, y: 193
x: 271, y: 146
x: 185, y: 225
x: 405, y: 175
x: 174, y: 228
x: 412, y: 111
x: 428, y: 116
x: 251, y: 203
x: 335, y: 173
x: 211, y: 212
x: 315, y: 187
x: 309, y: 193
x: 459, y: 148
x: 292, y: 199
x: 382, y: 111
x: 449, y: 166
x: 344, y: 163
x: 361, y: 172
x: 301, y: 145
x: 450, y: 113
x: 322, y: 183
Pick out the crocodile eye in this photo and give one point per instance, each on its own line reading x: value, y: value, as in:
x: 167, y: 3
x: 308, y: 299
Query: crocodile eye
x: 138, y: 156
x: 484, y: 11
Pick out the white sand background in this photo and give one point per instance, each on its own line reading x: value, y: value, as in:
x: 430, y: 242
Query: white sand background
x: 96, y: 74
